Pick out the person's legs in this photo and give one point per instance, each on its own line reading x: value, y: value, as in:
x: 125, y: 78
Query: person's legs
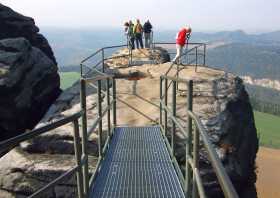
x: 132, y: 42
x: 137, y: 41
x: 178, y: 53
x: 141, y: 40
x: 147, y: 40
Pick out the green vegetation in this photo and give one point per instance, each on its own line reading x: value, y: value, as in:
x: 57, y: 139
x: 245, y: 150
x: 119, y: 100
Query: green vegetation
x: 68, y: 78
x: 268, y: 128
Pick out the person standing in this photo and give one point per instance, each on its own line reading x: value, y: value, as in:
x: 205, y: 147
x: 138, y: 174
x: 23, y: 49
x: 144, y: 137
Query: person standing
x: 182, y: 36
x: 138, y: 31
x: 147, y: 33
x: 130, y: 35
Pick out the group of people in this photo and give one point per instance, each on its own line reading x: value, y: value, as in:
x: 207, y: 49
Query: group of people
x: 135, y: 33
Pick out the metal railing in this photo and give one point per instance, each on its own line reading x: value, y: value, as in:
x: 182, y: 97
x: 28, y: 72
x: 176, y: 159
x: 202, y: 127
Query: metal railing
x: 192, y: 181
x: 195, y: 50
x: 80, y: 143
x: 11, y: 143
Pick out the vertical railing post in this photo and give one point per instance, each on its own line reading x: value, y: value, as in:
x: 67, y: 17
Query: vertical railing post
x: 81, y: 69
x: 84, y: 136
x: 195, y: 162
x: 160, y: 104
x: 165, y: 103
x: 103, y: 65
x: 174, y: 115
x: 204, y: 55
x: 189, y: 139
x: 77, y: 149
x: 196, y: 58
x: 99, y: 106
x: 109, y: 109
x: 114, y: 104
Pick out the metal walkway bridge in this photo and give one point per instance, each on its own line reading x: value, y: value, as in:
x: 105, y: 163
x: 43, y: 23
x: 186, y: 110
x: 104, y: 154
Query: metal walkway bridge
x: 135, y: 161
x: 137, y: 164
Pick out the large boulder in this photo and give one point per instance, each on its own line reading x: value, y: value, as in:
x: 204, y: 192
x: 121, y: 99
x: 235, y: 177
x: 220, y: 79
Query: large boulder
x: 15, y: 25
x: 29, y: 83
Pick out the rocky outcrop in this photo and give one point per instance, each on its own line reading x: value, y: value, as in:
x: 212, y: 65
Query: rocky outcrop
x: 157, y: 55
x: 29, y: 81
x: 220, y: 101
x: 14, y: 25
x: 224, y: 107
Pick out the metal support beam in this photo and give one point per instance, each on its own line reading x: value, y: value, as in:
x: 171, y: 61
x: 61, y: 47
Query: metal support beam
x: 109, y: 110
x: 103, y: 65
x: 77, y: 149
x: 114, y: 104
x: 165, y: 103
x: 189, y: 140
x: 174, y: 114
x: 195, y: 162
x: 84, y: 136
x: 160, y: 104
x: 99, y: 106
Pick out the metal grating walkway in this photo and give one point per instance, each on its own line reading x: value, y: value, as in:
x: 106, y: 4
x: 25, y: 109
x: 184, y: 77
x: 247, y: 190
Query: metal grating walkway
x: 137, y: 164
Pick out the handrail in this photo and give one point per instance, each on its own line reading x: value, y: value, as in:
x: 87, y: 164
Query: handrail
x: 191, y: 163
x: 219, y: 169
x: 6, y: 145
x: 36, y: 132
x: 111, y: 104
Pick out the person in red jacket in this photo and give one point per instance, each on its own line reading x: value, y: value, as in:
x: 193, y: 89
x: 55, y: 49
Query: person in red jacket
x: 181, y: 39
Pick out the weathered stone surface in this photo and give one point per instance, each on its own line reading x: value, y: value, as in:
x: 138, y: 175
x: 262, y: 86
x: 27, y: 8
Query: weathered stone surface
x: 139, y: 57
x: 220, y: 101
x: 14, y: 25
x: 29, y: 83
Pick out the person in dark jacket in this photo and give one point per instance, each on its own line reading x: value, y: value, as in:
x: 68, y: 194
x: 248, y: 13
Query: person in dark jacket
x: 147, y: 33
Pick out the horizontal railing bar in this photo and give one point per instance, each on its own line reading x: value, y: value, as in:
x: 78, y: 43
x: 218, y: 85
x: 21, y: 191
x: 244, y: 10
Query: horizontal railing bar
x: 174, y: 118
x: 175, y: 79
x: 5, y: 145
x: 105, y: 145
x: 96, y: 78
x: 222, y: 176
x: 93, y: 176
x: 179, y: 172
x: 115, y: 57
x: 54, y: 182
x: 199, y: 183
x: 114, y: 46
x: 174, y: 161
x: 96, y: 52
x: 97, y: 120
x: 173, y: 43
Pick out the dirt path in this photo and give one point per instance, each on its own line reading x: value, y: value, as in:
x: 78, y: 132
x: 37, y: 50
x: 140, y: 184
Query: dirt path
x: 268, y: 182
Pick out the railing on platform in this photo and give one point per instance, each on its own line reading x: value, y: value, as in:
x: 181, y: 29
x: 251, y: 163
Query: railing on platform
x: 111, y: 104
x: 194, y: 55
x: 11, y: 143
x: 192, y: 181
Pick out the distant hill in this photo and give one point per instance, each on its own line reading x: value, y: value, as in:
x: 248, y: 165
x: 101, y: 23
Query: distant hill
x: 258, y: 61
x: 255, y: 55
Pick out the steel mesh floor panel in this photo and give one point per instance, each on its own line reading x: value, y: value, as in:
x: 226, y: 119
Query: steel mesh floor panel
x: 137, y: 164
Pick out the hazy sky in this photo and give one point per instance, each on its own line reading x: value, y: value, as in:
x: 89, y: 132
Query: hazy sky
x: 211, y: 15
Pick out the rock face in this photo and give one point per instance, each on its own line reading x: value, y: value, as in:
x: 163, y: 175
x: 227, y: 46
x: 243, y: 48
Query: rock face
x: 29, y: 81
x: 220, y: 101
x: 15, y: 25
